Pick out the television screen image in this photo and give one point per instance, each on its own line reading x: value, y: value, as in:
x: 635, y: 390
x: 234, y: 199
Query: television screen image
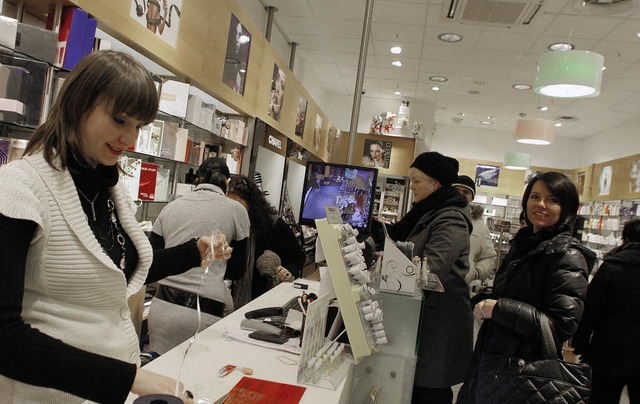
x: 350, y: 188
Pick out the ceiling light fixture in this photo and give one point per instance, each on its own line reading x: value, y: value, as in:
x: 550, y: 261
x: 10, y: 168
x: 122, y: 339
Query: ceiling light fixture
x: 522, y: 86
x: 450, y: 37
x: 396, y: 50
x: 560, y: 46
x: 435, y: 88
x: 517, y: 161
x: 535, y: 131
x: 486, y: 122
x: 397, y: 63
x: 543, y: 108
x: 397, y: 93
x: 569, y: 74
x: 558, y: 124
x: 439, y: 79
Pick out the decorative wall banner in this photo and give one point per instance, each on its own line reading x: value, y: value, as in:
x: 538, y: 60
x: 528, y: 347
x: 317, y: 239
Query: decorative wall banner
x: 237, y: 56
x: 634, y: 177
x: 376, y: 153
x: 317, y: 132
x: 604, y: 183
x: 487, y: 175
x: 162, y: 17
x: 301, y: 115
x: 277, y: 92
x: 330, y: 137
x: 580, y: 180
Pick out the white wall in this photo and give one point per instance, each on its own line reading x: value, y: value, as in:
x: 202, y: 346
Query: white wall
x: 270, y: 165
x: 483, y: 144
x: 621, y: 141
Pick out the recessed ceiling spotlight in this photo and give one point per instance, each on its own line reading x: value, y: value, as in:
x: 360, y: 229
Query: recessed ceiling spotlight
x: 461, y: 113
x: 450, y: 37
x: 397, y: 63
x: 543, y: 108
x: 486, y: 122
x: 397, y: 93
x: 439, y: 79
x: 396, y: 50
x: 435, y: 88
x: 558, y: 124
x: 522, y: 86
x: 491, y: 117
x: 560, y: 46
x: 638, y: 34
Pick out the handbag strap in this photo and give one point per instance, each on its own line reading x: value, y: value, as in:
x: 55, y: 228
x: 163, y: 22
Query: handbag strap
x: 549, y: 349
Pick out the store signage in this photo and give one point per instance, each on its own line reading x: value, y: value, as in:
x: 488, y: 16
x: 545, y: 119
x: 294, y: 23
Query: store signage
x: 275, y: 142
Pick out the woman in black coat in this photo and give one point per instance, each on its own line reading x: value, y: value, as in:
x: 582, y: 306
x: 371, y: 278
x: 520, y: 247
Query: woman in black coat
x: 544, y: 274
x: 609, y: 332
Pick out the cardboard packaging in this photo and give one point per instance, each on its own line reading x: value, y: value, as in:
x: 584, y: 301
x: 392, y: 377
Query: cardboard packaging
x: 174, y: 97
x: 36, y: 42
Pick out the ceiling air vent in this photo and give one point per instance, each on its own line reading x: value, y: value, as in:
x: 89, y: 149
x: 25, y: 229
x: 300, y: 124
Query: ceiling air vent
x: 505, y: 13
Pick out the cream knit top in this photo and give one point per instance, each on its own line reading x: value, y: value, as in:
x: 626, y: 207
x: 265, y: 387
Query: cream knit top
x: 73, y: 291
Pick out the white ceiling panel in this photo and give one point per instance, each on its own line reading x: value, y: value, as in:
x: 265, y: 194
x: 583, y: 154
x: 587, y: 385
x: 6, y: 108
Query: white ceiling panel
x: 481, y: 68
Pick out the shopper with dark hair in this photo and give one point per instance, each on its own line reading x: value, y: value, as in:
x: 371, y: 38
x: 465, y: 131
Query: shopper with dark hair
x: 269, y: 233
x: 544, y: 274
x: 172, y: 317
x: 71, y: 250
x: 608, y: 335
x: 482, y: 256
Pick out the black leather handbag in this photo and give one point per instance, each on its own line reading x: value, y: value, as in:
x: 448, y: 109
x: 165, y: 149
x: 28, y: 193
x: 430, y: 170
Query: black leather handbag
x: 504, y: 378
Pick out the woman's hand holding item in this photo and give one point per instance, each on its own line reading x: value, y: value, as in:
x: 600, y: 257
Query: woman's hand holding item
x: 484, y: 309
x: 284, y: 274
x: 146, y: 383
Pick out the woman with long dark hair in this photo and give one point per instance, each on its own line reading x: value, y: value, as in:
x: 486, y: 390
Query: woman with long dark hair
x: 544, y: 274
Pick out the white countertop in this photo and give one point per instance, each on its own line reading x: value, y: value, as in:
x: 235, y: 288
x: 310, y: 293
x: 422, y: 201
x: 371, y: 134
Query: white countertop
x: 212, y: 350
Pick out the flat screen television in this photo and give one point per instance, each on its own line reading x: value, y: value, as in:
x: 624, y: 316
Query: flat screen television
x: 350, y: 188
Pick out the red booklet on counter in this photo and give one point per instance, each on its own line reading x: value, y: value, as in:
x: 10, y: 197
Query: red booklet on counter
x: 250, y: 390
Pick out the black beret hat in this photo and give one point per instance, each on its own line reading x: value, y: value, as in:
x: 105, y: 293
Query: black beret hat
x: 441, y: 168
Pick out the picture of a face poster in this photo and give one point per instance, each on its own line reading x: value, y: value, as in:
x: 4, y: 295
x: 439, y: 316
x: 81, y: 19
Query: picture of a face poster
x: 376, y: 153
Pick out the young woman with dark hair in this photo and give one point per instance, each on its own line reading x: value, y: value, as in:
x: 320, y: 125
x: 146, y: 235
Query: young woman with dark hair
x: 544, y: 274
x: 71, y: 250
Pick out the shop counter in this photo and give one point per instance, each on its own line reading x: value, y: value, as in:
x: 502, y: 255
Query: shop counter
x: 212, y: 350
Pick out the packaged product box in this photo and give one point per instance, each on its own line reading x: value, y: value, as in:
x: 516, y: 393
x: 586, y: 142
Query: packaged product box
x: 39, y: 43
x: 8, y: 31
x: 174, y: 97
x: 130, y: 174
x: 163, y: 177
x: 32, y: 76
x: 73, y: 26
x: 147, y: 186
x: 5, y: 146
x: 15, y: 81
x: 193, y: 109
x: 17, y: 148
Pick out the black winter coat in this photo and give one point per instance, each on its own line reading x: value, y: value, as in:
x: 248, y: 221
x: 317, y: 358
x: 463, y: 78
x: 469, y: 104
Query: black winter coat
x: 550, y: 279
x: 609, y: 332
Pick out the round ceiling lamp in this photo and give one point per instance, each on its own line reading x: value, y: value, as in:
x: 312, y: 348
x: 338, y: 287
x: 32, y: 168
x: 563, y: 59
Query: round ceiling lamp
x: 517, y: 161
x: 569, y: 74
x: 535, y: 131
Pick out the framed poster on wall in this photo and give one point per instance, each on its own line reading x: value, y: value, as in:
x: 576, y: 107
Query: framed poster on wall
x: 237, y: 56
x: 277, y: 92
x: 487, y: 175
x: 376, y: 153
x: 301, y: 115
